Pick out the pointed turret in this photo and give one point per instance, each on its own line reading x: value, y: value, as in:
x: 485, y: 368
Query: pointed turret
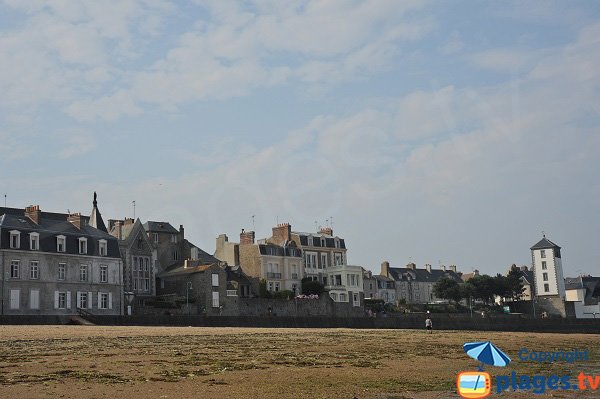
x: 96, y: 218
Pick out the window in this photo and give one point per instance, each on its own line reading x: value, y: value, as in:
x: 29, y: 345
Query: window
x: 102, y: 247
x: 15, y: 269
x: 311, y: 260
x: 215, y: 279
x: 103, y: 300
x: 546, y: 287
x: 175, y: 254
x: 82, y: 300
x: 62, y: 267
x: 337, y: 243
x: 338, y: 259
x: 342, y: 297
x: 545, y: 276
x: 543, y: 253
x: 82, y: 245
x: 60, y: 299
x: 355, y: 300
x: 15, y: 296
x: 323, y: 264
x: 173, y: 238
x: 294, y: 272
x: 135, y: 263
x: 146, y: 263
x: 323, y: 242
x: 146, y: 284
x: 103, y: 273
x: 15, y: 239
x: 155, y: 235
x: 34, y: 241
x: 61, y: 244
x: 34, y: 299
x: 310, y: 241
x: 544, y: 266
x: 83, y: 272
x: 215, y: 299
x: 34, y: 270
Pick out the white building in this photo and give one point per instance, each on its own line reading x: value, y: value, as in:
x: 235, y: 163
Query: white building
x: 583, y: 294
x: 547, y: 269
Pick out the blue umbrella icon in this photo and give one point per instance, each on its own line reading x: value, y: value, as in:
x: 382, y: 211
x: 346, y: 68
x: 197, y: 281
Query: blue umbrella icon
x: 486, y: 353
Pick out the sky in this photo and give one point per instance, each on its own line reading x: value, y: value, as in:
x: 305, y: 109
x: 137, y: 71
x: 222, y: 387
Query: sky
x: 426, y: 131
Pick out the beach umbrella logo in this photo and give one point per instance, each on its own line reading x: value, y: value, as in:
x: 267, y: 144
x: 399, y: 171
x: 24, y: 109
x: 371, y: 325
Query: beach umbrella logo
x: 478, y: 384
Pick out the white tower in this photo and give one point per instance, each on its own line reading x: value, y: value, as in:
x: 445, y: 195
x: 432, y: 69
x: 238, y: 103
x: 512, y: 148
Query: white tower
x: 547, y: 269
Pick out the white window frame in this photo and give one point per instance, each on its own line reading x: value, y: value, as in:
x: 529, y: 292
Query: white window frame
x: 62, y: 271
x: 83, y: 272
x: 104, y: 273
x: 215, y: 279
x: 34, y: 241
x: 34, y: 299
x: 61, y: 300
x: 355, y: 299
x: 309, y: 240
x: 215, y: 299
x: 34, y: 270
x: 155, y: 238
x: 60, y: 239
x: 342, y: 297
x: 103, y: 300
x: 323, y: 261
x: 83, y: 247
x: 15, y: 269
x: 15, y: 239
x: 103, y: 247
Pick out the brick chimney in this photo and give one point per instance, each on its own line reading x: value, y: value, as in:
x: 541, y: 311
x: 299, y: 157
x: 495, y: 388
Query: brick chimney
x: 453, y: 268
x: 33, y: 212
x: 385, y: 268
x: 118, y: 232
x: 326, y: 230
x: 75, y: 219
x: 428, y: 267
x: 411, y: 266
x: 282, y: 233
x: 246, y: 237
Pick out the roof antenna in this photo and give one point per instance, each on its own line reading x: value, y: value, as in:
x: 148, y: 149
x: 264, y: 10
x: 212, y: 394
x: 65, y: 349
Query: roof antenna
x: 331, y: 221
x: 253, y: 228
x: 5, y: 200
x: 133, y: 202
x: 544, y: 233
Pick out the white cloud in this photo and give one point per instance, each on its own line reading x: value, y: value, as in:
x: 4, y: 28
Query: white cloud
x: 76, y: 143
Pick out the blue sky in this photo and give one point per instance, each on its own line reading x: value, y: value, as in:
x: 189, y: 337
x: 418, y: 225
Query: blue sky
x: 437, y: 132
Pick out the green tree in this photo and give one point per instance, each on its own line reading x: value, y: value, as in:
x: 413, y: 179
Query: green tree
x: 310, y: 287
x: 447, y: 288
x: 484, y: 287
x: 262, y: 289
x: 514, y: 283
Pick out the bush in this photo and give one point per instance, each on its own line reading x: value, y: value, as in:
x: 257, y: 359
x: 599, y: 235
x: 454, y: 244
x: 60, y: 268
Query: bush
x: 285, y: 294
x: 310, y: 287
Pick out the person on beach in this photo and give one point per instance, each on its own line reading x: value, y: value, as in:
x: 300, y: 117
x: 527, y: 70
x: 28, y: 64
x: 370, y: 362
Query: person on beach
x: 428, y: 325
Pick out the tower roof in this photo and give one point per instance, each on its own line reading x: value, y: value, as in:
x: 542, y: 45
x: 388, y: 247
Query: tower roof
x: 544, y: 243
x: 96, y: 218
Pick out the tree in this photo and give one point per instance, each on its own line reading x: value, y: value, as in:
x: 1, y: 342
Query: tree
x: 514, y: 284
x: 447, y: 288
x: 262, y: 289
x: 310, y: 287
x: 484, y: 287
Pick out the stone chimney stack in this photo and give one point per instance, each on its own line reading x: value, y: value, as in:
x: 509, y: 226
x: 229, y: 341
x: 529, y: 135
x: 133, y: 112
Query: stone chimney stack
x: 428, y: 267
x: 282, y: 233
x: 118, y: 229
x: 326, y: 230
x: 385, y: 268
x: 246, y: 237
x: 181, y: 232
x: 443, y: 267
x: 411, y: 266
x: 128, y: 221
x: 453, y: 268
x: 33, y: 212
x: 75, y: 219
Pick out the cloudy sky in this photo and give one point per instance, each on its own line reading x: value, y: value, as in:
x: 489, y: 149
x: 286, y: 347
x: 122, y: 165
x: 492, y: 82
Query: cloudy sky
x: 437, y: 132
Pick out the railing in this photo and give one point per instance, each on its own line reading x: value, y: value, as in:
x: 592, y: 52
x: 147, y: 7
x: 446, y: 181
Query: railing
x: 274, y: 275
x: 232, y: 293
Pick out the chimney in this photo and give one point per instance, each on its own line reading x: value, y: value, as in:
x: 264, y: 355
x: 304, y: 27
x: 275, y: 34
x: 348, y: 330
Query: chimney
x: 181, y: 231
x: 428, y: 267
x: 33, y: 212
x: 524, y: 268
x: 75, y: 219
x: 443, y: 267
x: 119, y: 233
x: 326, y: 230
x: 411, y: 266
x: 385, y: 269
x: 475, y: 272
x: 246, y: 237
x: 282, y: 233
x: 453, y: 268
x: 128, y: 221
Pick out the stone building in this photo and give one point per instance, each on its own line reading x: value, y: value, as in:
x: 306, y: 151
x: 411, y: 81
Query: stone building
x: 55, y: 263
x: 139, y: 257
x: 415, y: 285
x: 369, y: 284
x: 549, y: 279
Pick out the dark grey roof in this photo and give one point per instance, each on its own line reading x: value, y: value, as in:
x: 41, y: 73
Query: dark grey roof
x: 51, y: 225
x: 422, y: 275
x: 235, y: 273
x: 573, y: 283
x: 590, y: 284
x: 96, y: 218
x: 278, y: 250
x: 528, y: 275
x: 329, y: 240
x: 544, y: 243
x: 203, y: 256
x: 160, y: 227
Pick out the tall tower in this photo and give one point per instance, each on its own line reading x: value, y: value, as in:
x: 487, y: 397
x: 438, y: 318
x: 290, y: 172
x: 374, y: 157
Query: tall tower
x: 547, y: 269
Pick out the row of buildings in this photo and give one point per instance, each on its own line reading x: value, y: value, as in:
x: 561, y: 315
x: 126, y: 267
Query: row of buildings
x: 56, y: 263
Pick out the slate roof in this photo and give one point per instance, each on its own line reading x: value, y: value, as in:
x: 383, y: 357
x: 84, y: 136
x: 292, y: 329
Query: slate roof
x: 590, y: 284
x: 235, y: 273
x: 203, y: 256
x: 178, y: 269
x: 51, y: 225
x: 544, y: 243
x: 422, y: 275
x: 329, y: 240
x: 160, y: 227
x: 96, y: 218
x: 278, y: 250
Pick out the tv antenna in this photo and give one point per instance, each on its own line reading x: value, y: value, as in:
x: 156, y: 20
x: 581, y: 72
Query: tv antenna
x: 133, y: 202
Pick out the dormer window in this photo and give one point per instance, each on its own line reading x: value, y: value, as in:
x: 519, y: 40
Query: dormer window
x: 310, y: 241
x: 102, y: 247
x: 34, y: 241
x: 15, y: 239
x: 322, y: 242
x: 337, y: 243
x: 61, y: 244
x: 82, y: 245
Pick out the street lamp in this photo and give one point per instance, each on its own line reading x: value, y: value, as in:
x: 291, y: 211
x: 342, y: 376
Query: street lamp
x: 187, y: 296
x: 129, y: 300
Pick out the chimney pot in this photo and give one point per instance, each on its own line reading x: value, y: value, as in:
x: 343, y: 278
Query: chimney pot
x: 33, y: 212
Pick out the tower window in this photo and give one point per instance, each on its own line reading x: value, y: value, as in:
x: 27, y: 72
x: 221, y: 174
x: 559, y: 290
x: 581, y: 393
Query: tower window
x: 543, y: 253
x: 544, y: 266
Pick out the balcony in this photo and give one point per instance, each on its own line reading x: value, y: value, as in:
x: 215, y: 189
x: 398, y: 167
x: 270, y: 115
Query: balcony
x: 276, y: 276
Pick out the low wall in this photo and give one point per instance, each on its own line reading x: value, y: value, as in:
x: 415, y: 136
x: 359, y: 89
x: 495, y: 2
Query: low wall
x: 413, y: 321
